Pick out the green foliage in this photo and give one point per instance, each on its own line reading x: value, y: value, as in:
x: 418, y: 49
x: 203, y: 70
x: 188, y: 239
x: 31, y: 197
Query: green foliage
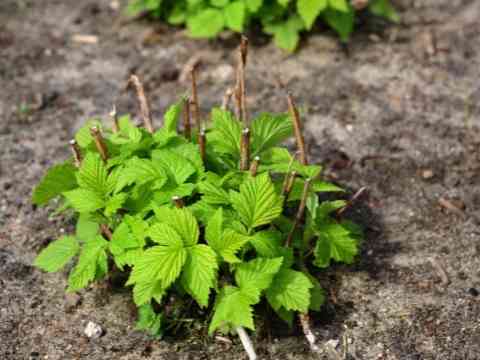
x: 285, y: 20
x: 224, y: 247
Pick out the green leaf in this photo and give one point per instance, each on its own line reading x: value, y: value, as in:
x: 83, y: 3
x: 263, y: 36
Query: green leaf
x: 122, y: 239
x: 219, y: 3
x: 235, y: 14
x: 254, y: 5
x: 114, y: 204
x: 232, y: 309
x: 149, y: 320
x: 267, y: 243
x: 256, y: 275
x: 322, y: 186
x: 228, y: 244
x: 162, y: 263
x: 340, y: 5
x: 164, y: 234
x: 83, y: 136
x: 84, y: 201
x: 86, y: 228
x: 140, y: 171
x: 341, y: 22
x: 213, y: 194
x: 317, y: 294
x: 385, y: 9
x: 184, y: 223
x: 269, y: 130
x: 206, y: 24
x: 57, y: 254
x: 200, y: 272
x: 226, y: 133
x: 286, y: 34
x: 176, y: 166
x: 257, y: 203
x: 334, y: 242
x: 93, y: 174
x: 172, y: 115
x: 90, y: 264
x: 58, y: 179
x: 327, y: 207
x: 310, y: 9
x: 143, y: 292
x: 290, y: 289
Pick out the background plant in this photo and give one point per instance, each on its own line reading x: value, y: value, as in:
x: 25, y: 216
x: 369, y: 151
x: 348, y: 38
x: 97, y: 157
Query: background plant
x: 283, y: 19
x: 218, y: 214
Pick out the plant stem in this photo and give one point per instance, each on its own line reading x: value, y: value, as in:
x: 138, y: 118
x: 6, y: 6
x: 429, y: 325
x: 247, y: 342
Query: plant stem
x: 305, y: 323
x: 202, y: 144
x: 187, y: 129
x: 254, y: 166
x: 178, y: 202
x: 194, y: 100
x: 99, y: 142
x: 143, y: 101
x: 106, y: 231
x: 300, y: 212
x: 245, y: 149
x: 246, y: 342
x: 242, y: 90
x: 226, y: 98
x: 288, y: 184
x: 77, y: 155
x: 297, y: 126
x: 113, y: 114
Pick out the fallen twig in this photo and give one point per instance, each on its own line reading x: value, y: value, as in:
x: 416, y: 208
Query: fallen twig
x: 99, y: 143
x: 143, y: 101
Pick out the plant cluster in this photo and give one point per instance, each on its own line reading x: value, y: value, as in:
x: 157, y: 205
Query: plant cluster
x: 283, y: 19
x: 219, y: 213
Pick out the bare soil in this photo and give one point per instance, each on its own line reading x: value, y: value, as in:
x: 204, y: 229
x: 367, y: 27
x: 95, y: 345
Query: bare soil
x: 397, y: 110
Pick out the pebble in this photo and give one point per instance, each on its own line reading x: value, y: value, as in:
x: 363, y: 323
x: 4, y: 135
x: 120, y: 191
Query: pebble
x: 93, y: 330
x: 474, y: 292
x: 427, y: 174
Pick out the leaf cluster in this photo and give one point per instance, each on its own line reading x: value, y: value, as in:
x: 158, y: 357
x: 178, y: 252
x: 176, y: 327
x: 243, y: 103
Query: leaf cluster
x: 222, y: 242
x: 283, y: 19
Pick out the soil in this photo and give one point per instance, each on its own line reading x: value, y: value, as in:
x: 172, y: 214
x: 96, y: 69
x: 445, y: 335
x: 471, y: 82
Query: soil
x: 396, y: 110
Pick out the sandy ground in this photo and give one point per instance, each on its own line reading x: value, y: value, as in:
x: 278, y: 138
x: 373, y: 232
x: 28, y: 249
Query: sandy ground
x: 397, y: 110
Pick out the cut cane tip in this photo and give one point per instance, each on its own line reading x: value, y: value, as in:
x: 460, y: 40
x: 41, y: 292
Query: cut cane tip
x: 73, y: 142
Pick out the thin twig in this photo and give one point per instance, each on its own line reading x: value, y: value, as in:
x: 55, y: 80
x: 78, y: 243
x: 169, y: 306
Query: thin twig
x: 77, y: 155
x: 178, y: 201
x: 351, y: 201
x: 254, y: 166
x: 245, y: 149
x: 202, y: 144
x: 242, y: 87
x: 187, y: 127
x: 143, y: 101
x: 226, y: 98
x: 305, y: 323
x: 104, y: 229
x: 194, y: 100
x: 113, y: 114
x: 246, y: 342
x: 300, y: 212
x: 288, y: 184
x: 297, y: 126
x: 99, y: 142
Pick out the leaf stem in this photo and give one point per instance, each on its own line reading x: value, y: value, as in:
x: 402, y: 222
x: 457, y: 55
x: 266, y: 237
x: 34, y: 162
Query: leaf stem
x: 113, y: 114
x: 297, y: 126
x: 178, y: 201
x: 254, y: 166
x: 187, y: 127
x: 246, y: 342
x: 99, y: 142
x: 77, y: 155
x: 300, y: 212
x: 143, y: 101
x: 245, y: 149
x: 202, y: 144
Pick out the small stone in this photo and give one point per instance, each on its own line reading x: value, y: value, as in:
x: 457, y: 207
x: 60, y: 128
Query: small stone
x: 332, y: 343
x: 427, y: 174
x: 93, y: 331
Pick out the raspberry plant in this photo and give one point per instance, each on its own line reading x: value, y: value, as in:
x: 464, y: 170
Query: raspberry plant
x: 219, y: 212
x: 283, y: 19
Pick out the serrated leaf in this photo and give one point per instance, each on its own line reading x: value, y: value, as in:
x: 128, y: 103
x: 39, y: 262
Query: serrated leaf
x: 213, y: 194
x: 228, y: 245
x: 206, y: 23
x: 86, y: 228
x: 327, y: 207
x: 57, y: 254
x: 176, y: 166
x: 341, y: 22
x: 219, y: 3
x: 235, y: 13
x: 334, y: 242
x: 171, y: 189
x: 268, y: 131
x: 257, y: 203
x: 317, y: 295
x: 254, y: 5
x: 385, y: 9
x: 310, y: 9
x: 114, y: 204
x: 172, y: 115
x: 122, y: 239
x: 232, y: 309
x: 92, y: 257
x: 267, y: 243
x: 226, y: 133
x: 200, y: 272
x: 286, y: 34
x: 149, y: 320
x: 159, y: 263
x: 183, y: 222
x: 84, y: 201
x: 202, y: 211
x: 255, y: 276
x: 322, y: 186
x: 140, y: 171
x: 164, y: 234
x: 144, y: 292
x: 58, y: 179
x: 290, y: 289
x: 83, y: 136
x: 340, y: 5
x: 93, y: 174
